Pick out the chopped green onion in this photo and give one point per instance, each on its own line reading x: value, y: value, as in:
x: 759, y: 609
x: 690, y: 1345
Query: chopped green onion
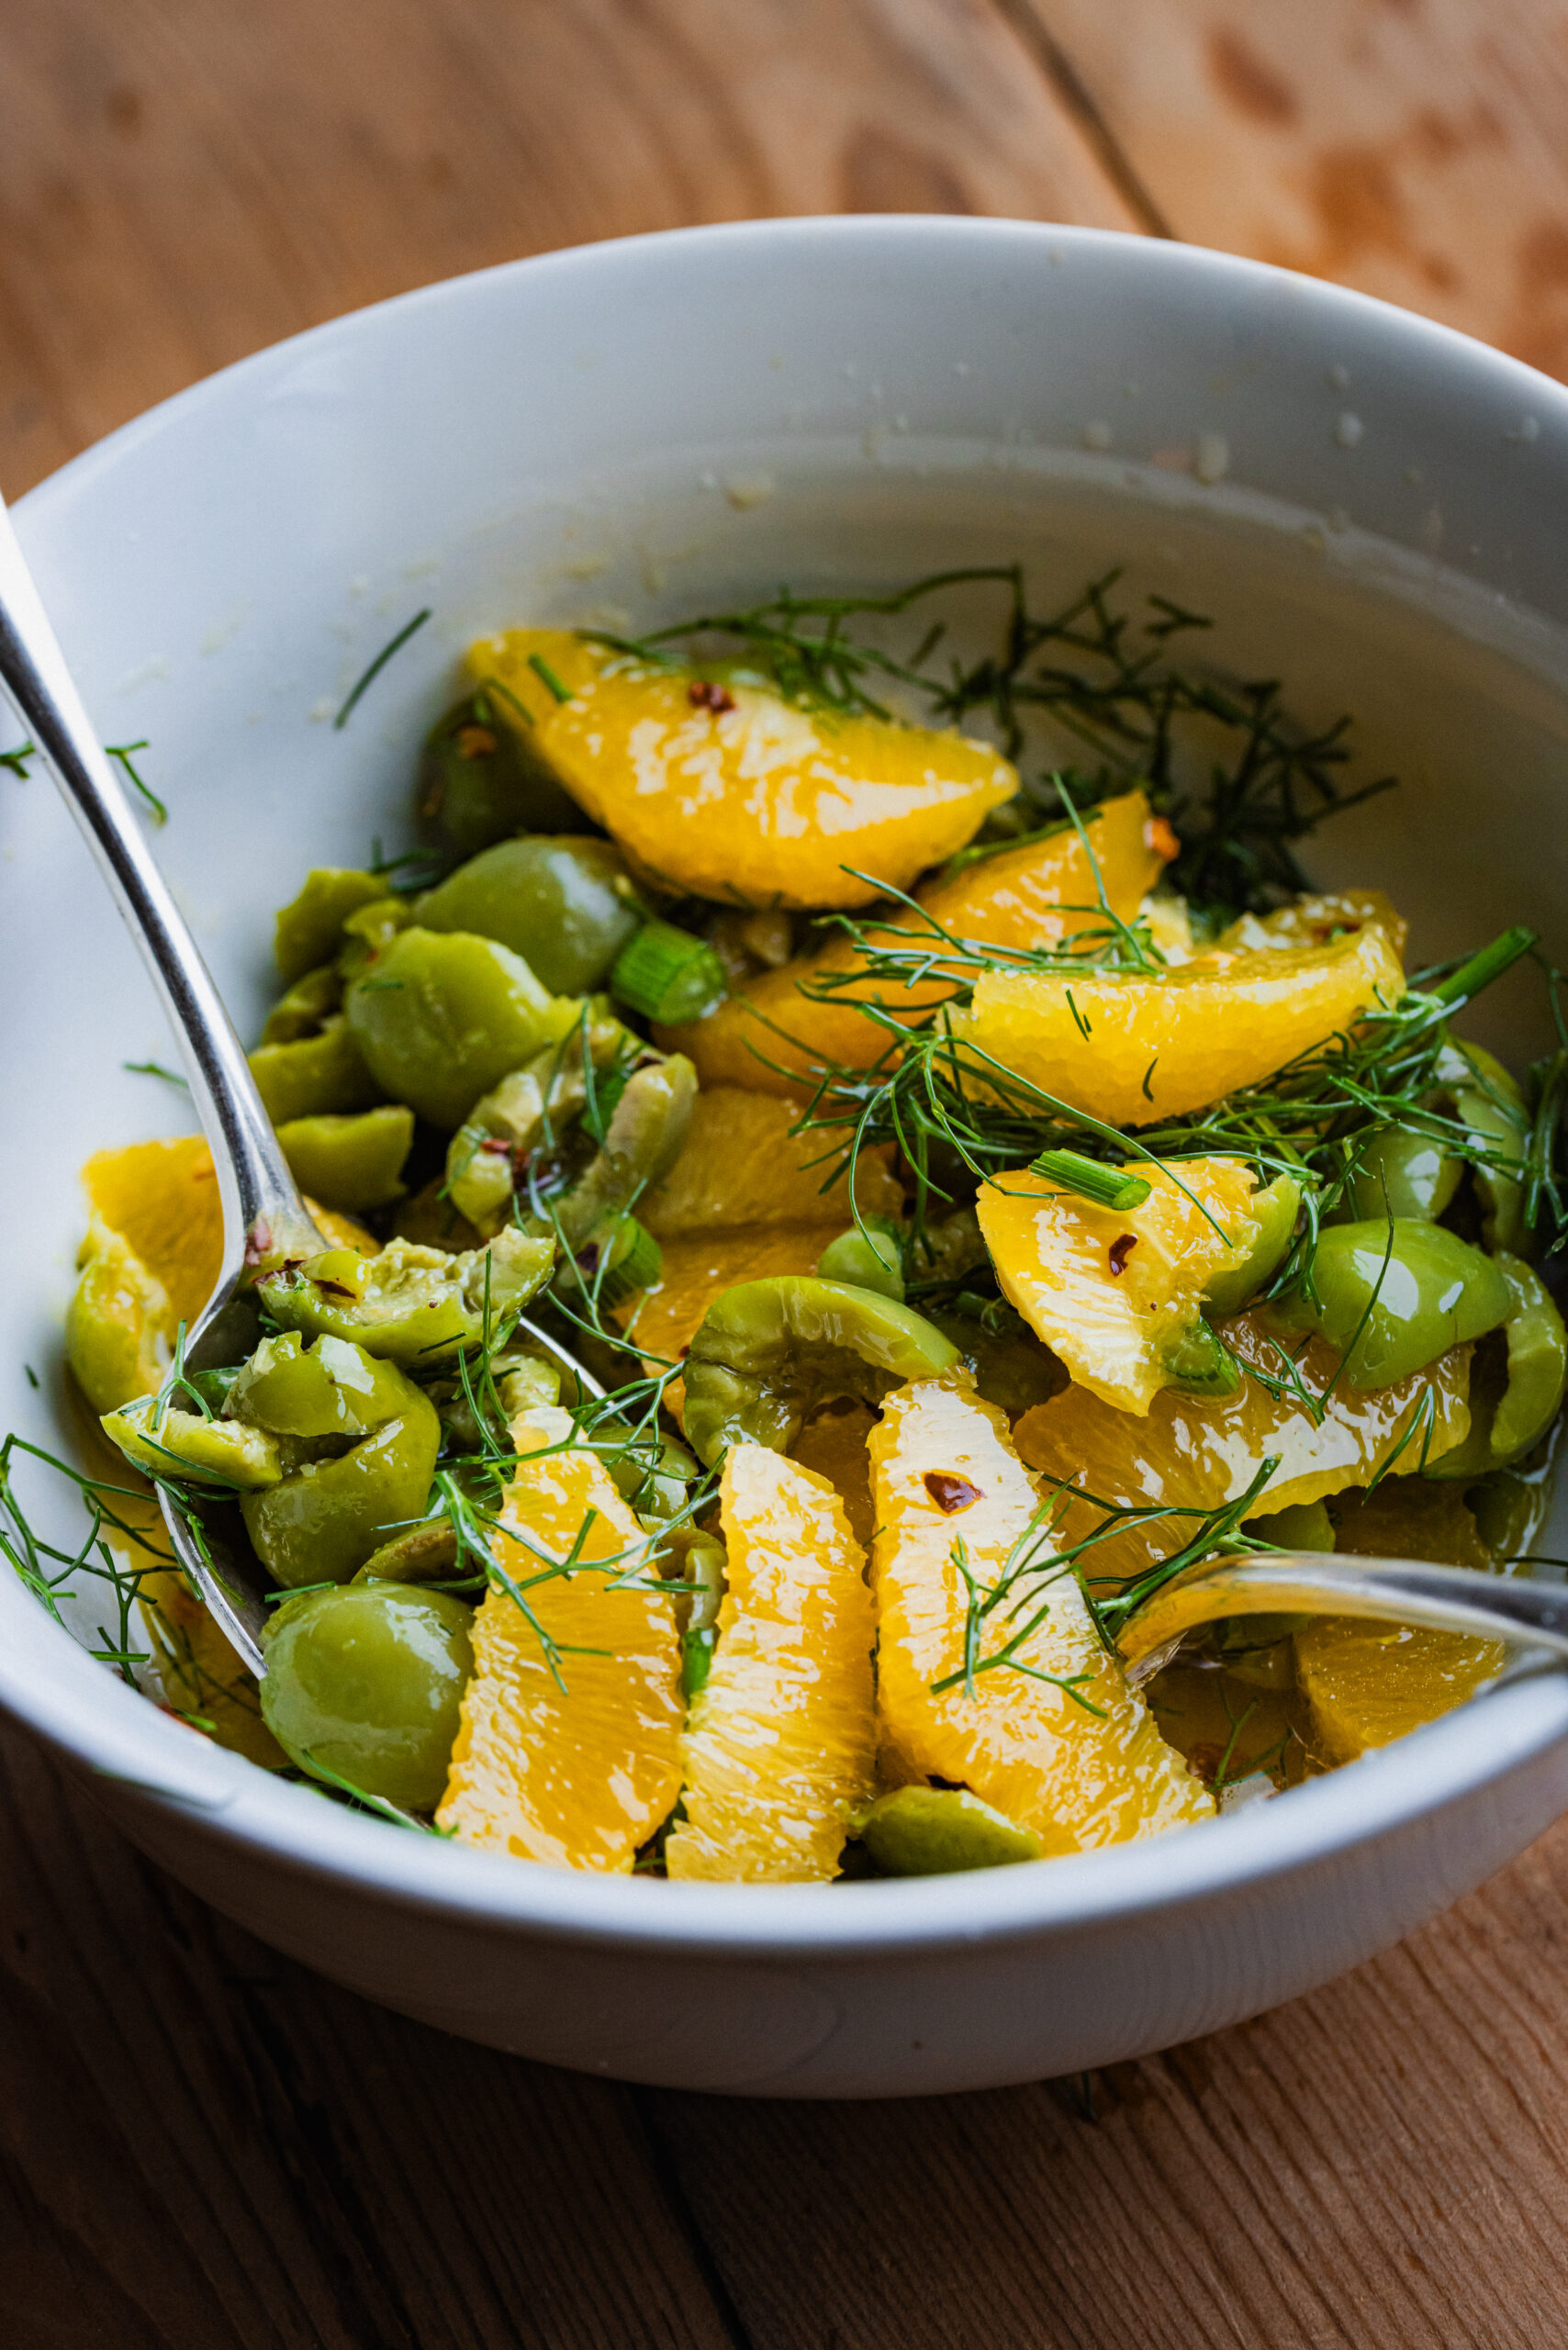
x: 1482, y: 969
x: 1108, y: 1187
x: 618, y: 1263
x: 668, y: 975
x: 697, y: 1659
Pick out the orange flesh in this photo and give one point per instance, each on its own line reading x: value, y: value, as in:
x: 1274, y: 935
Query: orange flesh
x: 1033, y: 895
x: 781, y: 1744
x: 577, y: 1776
x: 1078, y: 1779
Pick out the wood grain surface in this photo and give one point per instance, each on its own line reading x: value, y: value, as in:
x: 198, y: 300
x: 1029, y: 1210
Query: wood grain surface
x: 201, y: 2144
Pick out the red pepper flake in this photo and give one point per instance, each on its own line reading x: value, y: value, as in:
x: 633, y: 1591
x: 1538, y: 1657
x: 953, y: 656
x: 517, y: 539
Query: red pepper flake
x: 473, y: 742
x: 702, y: 693
x: 1120, y: 1251
x: 1158, y: 837
x: 334, y: 1288
x: 951, y: 1492
x: 498, y: 1145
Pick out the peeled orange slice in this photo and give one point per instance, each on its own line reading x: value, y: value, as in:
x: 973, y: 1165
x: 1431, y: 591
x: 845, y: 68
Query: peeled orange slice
x: 579, y: 1765
x: 1192, y: 1453
x: 954, y: 1504
x: 1035, y: 895
x: 737, y: 794
x: 742, y: 1165
x: 781, y: 1744
x: 1135, y: 1047
x: 1111, y: 1291
x: 1367, y: 1683
x: 1317, y: 917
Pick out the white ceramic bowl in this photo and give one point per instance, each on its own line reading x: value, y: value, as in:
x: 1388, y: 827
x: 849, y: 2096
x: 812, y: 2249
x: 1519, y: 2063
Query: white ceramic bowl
x: 1373, y: 506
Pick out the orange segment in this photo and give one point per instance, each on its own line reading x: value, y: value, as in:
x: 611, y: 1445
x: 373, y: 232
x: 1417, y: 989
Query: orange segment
x: 576, y: 1775
x: 1110, y: 1289
x: 834, y: 1444
x: 1133, y: 1048
x: 1194, y: 1452
x: 509, y: 657
x: 1078, y: 1779
x: 741, y: 1165
x: 1368, y: 1683
x: 1035, y: 895
x: 763, y: 802
x: 781, y: 1744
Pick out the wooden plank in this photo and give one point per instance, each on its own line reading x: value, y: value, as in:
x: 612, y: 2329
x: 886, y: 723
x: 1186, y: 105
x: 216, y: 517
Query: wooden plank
x: 1378, y: 2167
x: 1413, y: 149
x: 181, y: 184
x: 203, y: 2145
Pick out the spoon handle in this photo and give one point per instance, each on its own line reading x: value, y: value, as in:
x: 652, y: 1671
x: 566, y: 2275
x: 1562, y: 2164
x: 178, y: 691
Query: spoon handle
x: 1396, y: 1591
x: 261, y: 1206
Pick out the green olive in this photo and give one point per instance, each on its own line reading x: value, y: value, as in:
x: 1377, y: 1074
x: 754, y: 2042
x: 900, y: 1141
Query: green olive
x: 533, y: 1109
x: 566, y: 904
x: 1490, y: 1104
x: 316, y: 1076
x: 350, y: 1163
x: 305, y: 1009
x: 440, y: 1017
x: 164, y: 1441
x: 869, y: 1258
x: 1012, y: 1369
x: 328, y: 1391
x: 1401, y: 1172
x: 769, y: 1353
x: 938, y: 1831
x: 1274, y: 1210
x: 423, y: 1553
x: 1392, y: 1297
x: 327, y: 1516
x: 1516, y: 1388
x: 409, y: 1304
x: 366, y: 1684
x: 309, y: 929
x: 480, y: 779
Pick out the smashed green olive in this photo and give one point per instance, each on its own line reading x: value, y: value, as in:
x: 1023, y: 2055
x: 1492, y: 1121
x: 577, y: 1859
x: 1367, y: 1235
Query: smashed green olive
x: 366, y: 1684
x: 358, y: 1441
x: 533, y: 1108
x: 1492, y: 1108
x: 305, y: 1009
x: 1515, y: 1386
x: 315, y: 1076
x: 768, y: 1354
x: 309, y: 928
x: 566, y: 904
x: 324, y: 1392
x: 480, y: 779
x: 409, y: 1304
x: 939, y: 1832
x: 1275, y: 1209
x: 869, y: 1258
x: 441, y: 1016
x: 1402, y: 1173
x: 350, y: 1163
x: 166, y: 1442
x: 326, y: 1518
x: 1411, y: 1291
x: 1012, y: 1369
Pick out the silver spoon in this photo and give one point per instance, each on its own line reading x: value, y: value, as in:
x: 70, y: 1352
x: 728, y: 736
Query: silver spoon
x: 1318, y: 1582
x: 261, y: 1203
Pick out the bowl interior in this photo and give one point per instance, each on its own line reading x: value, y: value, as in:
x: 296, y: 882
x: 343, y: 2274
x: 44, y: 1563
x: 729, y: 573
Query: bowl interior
x: 635, y: 434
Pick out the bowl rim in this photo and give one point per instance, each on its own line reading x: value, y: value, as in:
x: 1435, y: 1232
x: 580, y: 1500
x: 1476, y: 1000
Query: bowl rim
x: 128, y: 1745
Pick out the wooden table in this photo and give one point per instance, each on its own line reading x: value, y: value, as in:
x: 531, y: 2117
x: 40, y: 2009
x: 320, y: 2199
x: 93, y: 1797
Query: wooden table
x: 202, y: 2145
